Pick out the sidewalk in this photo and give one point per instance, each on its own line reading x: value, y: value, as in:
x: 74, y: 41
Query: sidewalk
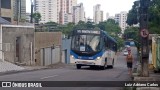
x: 136, y: 76
x: 10, y: 68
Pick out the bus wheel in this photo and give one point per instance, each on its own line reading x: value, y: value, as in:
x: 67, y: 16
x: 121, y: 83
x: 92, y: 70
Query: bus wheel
x: 103, y: 67
x: 92, y: 67
x: 78, y: 66
x: 112, y: 64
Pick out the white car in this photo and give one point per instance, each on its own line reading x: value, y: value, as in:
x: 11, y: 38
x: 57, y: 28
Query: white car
x: 125, y: 52
x: 127, y: 46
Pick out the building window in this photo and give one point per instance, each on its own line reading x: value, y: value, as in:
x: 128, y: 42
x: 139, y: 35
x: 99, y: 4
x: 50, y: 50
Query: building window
x: 6, y: 4
x: 7, y: 18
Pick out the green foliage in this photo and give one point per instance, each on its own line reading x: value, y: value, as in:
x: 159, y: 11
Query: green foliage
x: 113, y: 29
x: 154, y: 16
x: 132, y: 33
x: 51, y: 23
x: 154, y: 19
x: 36, y: 16
x: 132, y: 17
x: 69, y: 27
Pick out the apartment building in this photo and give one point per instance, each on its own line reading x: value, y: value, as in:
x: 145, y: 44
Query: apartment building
x: 6, y: 10
x: 121, y: 18
x: 55, y: 10
x: 97, y: 14
x: 78, y: 13
x: 19, y: 10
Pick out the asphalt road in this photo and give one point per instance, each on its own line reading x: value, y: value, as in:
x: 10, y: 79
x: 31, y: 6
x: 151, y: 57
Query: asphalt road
x: 70, y: 73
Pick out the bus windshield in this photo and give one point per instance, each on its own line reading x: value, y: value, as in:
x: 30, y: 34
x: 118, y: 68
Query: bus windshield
x: 86, y: 43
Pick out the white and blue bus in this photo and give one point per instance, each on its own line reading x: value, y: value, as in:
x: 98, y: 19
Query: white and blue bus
x: 92, y: 48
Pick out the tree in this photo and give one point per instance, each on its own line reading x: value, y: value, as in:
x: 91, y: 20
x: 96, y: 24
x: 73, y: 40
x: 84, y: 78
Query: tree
x: 154, y: 16
x: 68, y: 28
x: 132, y: 17
x: 90, y: 25
x: 51, y: 26
x: 80, y: 25
x: 133, y: 34
x: 37, y: 17
x: 113, y: 29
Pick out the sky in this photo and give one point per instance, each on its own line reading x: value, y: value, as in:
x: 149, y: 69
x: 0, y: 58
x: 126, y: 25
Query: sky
x: 110, y: 6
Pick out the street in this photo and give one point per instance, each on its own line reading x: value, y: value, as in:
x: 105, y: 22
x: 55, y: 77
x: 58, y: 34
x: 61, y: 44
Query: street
x: 70, y: 73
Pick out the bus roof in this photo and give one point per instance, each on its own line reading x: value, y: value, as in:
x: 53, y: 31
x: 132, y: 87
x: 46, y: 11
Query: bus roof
x: 93, y: 31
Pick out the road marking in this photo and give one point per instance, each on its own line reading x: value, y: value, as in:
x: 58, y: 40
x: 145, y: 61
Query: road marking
x: 48, y: 77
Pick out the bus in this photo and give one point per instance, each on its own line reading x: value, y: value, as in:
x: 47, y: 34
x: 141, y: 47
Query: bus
x: 92, y: 48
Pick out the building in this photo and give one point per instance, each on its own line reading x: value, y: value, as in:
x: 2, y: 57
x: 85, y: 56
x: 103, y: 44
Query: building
x: 28, y: 17
x: 89, y: 19
x: 117, y: 18
x: 69, y: 18
x: 58, y: 11
x: 121, y: 18
x: 17, y: 44
x: 19, y: 10
x: 47, y: 9
x: 6, y: 10
x: 111, y: 17
x: 107, y: 16
x: 97, y: 14
x: 78, y: 13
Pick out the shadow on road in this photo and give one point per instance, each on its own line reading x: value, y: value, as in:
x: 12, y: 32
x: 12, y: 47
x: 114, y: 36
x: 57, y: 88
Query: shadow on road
x: 97, y: 68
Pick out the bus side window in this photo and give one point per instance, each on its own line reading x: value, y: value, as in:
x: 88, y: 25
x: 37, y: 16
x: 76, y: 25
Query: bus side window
x: 106, y: 43
x: 115, y: 47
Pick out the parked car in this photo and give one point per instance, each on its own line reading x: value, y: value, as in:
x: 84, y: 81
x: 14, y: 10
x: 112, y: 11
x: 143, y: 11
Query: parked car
x: 125, y: 52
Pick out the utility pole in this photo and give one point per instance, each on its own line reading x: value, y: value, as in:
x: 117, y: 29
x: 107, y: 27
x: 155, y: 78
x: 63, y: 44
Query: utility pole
x: 144, y: 4
x: 32, y: 5
x: 0, y: 8
x: 18, y: 10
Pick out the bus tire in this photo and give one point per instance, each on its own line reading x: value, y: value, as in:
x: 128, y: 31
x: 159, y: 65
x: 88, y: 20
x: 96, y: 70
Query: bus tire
x: 112, y: 64
x: 92, y: 67
x: 78, y: 66
x: 104, y: 67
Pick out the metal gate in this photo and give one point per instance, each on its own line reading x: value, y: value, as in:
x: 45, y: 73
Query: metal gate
x: 50, y: 56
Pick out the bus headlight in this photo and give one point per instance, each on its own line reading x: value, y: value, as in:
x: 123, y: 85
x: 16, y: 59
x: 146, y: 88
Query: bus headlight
x: 71, y: 56
x: 98, y: 58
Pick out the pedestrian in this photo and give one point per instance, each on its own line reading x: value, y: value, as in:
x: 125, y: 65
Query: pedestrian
x: 129, y: 59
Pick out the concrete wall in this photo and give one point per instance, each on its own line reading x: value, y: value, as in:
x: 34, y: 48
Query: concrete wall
x: 10, y: 33
x: 46, y: 39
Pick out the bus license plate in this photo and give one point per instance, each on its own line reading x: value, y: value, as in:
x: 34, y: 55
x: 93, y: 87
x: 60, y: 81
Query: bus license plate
x: 84, y: 62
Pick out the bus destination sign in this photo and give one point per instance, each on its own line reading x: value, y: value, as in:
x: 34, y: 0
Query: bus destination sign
x: 88, y: 31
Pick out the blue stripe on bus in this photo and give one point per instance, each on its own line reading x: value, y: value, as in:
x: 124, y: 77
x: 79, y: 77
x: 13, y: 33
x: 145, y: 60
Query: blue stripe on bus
x: 86, y: 57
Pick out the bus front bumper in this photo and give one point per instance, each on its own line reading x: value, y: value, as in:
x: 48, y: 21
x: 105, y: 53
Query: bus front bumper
x: 87, y: 62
